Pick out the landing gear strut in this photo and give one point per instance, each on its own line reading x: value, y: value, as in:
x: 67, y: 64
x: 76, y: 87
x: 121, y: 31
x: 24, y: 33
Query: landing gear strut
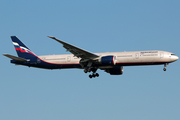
x: 94, y: 74
x: 88, y: 67
x: 165, y: 65
x: 85, y: 70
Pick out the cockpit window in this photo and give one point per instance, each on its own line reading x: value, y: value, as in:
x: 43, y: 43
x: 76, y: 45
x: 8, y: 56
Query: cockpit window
x: 172, y: 54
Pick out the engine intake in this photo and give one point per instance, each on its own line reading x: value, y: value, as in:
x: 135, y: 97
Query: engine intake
x: 107, y: 60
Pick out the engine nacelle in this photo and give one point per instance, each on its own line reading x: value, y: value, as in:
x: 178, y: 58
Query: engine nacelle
x: 107, y: 60
x: 115, y: 71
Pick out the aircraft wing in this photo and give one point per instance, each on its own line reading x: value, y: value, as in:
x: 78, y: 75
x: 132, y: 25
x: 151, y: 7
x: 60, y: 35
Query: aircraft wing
x: 78, y: 52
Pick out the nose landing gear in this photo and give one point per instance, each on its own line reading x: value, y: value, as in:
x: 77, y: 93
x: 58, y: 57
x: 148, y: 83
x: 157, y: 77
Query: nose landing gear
x: 165, y: 65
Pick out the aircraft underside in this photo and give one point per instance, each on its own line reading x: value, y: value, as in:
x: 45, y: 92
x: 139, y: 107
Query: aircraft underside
x: 93, y: 68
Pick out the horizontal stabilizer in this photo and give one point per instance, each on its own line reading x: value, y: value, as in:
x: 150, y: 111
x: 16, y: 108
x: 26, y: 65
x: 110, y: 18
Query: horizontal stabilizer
x: 16, y: 58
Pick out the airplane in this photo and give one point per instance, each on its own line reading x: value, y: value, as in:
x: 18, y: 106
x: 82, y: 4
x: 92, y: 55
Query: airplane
x: 110, y: 62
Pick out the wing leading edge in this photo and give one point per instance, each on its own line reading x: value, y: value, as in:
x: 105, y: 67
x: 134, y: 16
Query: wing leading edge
x: 78, y: 52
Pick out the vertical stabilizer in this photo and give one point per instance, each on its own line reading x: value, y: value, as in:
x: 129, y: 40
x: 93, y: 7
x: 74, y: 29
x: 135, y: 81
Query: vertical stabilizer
x: 22, y: 50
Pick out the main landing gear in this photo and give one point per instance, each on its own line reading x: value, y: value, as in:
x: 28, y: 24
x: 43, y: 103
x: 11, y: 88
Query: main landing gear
x: 165, y: 65
x: 88, y: 67
x: 94, y: 74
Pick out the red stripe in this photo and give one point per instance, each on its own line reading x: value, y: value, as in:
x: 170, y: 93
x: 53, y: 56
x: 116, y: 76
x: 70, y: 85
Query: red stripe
x: 23, y: 51
x: 143, y: 62
x: 19, y: 49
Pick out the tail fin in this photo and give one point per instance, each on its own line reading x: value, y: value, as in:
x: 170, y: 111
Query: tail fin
x: 22, y: 50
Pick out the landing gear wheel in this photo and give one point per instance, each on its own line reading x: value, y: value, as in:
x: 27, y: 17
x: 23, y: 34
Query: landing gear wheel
x: 97, y: 75
x: 165, y: 65
x: 94, y: 75
x: 85, y: 70
x: 90, y: 76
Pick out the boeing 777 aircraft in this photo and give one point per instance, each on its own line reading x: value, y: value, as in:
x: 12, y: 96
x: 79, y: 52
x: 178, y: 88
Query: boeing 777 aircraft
x: 111, y: 62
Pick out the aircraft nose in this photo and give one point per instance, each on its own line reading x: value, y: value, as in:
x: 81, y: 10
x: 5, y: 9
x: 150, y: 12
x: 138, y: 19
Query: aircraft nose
x: 175, y: 58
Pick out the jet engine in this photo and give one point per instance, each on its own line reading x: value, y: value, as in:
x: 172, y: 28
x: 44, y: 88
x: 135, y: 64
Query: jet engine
x: 107, y: 60
x: 115, y: 71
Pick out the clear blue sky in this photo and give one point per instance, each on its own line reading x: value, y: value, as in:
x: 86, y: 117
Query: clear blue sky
x: 141, y: 93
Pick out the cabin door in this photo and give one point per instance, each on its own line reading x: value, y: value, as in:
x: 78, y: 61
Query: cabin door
x: 137, y: 55
x: 68, y: 58
x: 161, y: 55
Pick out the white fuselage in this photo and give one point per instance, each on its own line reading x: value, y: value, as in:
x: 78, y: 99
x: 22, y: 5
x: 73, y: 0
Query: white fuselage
x: 120, y: 58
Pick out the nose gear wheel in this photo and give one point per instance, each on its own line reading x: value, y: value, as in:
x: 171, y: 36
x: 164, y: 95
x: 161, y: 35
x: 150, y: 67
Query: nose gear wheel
x: 165, y: 65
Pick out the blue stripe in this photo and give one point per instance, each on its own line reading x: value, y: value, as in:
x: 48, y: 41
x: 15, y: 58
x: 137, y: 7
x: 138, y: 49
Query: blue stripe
x: 16, y: 46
